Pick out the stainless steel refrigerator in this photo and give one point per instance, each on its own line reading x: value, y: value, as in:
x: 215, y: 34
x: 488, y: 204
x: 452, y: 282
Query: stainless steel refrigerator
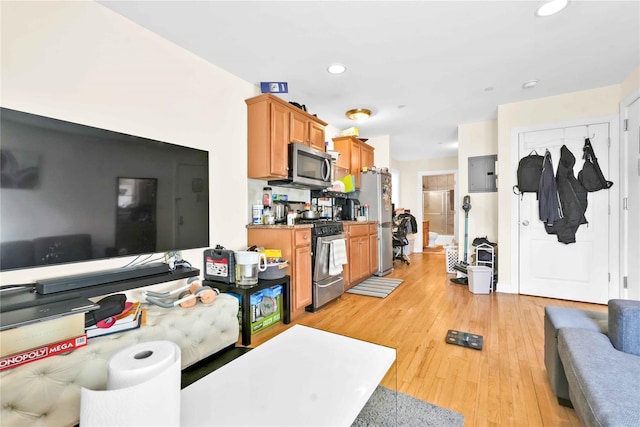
x: 375, y: 191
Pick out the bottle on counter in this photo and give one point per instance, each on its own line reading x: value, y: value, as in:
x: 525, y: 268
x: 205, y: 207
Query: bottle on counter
x: 291, y: 218
x: 266, y: 197
x: 256, y: 213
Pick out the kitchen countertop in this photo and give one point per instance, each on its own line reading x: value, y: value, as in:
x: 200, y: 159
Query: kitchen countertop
x: 359, y: 222
x: 300, y: 226
x: 280, y: 226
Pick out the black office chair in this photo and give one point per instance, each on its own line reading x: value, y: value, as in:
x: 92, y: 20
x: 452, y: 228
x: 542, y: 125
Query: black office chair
x: 400, y: 240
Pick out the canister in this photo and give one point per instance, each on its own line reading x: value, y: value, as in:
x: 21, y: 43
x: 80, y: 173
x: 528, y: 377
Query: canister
x: 257, y: 214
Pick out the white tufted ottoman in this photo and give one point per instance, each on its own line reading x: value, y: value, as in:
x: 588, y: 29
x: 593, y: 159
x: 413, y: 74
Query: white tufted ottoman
x: 47, y: 392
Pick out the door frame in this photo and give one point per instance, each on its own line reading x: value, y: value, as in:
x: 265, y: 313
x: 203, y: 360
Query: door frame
x: 615, y: 281
x: 626, y: 102
x: 419, y: 215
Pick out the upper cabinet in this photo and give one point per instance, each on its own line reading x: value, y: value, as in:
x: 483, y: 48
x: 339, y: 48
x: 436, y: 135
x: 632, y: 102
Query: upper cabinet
x: 272, y: 124
x: 307, y: 130
x: 354, y: 155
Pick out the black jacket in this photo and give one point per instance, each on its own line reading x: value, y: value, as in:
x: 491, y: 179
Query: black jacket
x: 548, y: 200
x: 573, y: 200
x: 412, y: 222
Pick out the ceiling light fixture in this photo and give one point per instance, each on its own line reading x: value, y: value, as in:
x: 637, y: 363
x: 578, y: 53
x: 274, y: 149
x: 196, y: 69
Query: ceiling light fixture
x: 358, y: 114
x: 529, y: 84
x: 336, y: 69
x: 551, y: 7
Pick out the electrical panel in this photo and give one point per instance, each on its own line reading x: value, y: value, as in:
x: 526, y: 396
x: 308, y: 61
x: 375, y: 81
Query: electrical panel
x: 482, y: 174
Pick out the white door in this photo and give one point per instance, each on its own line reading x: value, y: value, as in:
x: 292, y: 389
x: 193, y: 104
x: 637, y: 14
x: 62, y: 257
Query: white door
x: 631, y: 193
x: 577, y: 271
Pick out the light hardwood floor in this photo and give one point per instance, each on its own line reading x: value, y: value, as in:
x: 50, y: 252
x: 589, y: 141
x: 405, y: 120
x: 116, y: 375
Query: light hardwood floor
x: 504, y: 384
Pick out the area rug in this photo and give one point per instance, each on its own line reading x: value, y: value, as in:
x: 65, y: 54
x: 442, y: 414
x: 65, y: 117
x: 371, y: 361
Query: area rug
x: 380, y: 411
x: 378, y: 287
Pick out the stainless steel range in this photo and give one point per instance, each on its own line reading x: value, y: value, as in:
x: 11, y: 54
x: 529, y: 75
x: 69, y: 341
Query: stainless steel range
x: 326, y: 287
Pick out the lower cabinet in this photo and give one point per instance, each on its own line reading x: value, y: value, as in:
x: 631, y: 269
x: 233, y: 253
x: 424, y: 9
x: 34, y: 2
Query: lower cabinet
x: 362, y: 252
x: 295, y: 245
x: 373, y: 248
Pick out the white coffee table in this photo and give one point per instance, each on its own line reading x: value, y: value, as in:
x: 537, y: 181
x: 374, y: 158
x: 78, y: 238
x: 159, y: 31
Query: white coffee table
x: 302, y: 377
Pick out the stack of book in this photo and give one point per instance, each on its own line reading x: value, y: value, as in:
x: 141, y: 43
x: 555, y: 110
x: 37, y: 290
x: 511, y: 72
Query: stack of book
x: 130, y: 318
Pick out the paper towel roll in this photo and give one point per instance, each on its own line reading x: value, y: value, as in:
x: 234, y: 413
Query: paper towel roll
x: 143, y: 388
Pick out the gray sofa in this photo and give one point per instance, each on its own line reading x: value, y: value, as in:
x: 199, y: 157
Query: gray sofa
x: 596, y: 364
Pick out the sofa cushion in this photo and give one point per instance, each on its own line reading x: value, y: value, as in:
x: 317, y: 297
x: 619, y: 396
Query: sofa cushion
x: 604, y: 383
x: 624, y: 325
x: 564, y: 317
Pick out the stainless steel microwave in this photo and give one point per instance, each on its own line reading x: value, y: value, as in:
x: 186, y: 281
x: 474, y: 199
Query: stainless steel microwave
x: 308, y: 168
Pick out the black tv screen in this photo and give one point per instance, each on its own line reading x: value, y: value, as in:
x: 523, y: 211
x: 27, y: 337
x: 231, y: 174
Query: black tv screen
x: 70, y: 192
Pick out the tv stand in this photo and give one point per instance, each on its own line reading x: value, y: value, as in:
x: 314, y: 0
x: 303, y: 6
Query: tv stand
x: 14, y: 299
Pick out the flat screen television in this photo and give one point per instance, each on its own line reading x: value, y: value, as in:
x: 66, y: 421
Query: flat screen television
x: 70, y: 192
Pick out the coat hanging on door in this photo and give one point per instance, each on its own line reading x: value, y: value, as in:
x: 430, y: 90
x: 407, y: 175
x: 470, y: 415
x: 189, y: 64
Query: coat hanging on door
x: 573, y: 200
x: 548, y: 200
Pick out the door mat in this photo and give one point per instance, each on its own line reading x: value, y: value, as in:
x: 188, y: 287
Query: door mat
x: 464, y: 339
x: 378, y: 287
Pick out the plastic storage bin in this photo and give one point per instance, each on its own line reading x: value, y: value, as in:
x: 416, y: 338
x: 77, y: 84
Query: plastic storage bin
x: 451, y: 257
x: 479, y: 279
x: 412, y: 242
x: 266, y: 307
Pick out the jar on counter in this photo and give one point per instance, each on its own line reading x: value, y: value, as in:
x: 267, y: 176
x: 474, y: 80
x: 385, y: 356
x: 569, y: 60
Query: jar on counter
x: 269, y: 217
x: 256, y: 213
x: 291, y: 218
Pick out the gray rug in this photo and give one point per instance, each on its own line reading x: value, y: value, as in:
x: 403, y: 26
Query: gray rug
x: 378, y: 287
x: 380, y: 411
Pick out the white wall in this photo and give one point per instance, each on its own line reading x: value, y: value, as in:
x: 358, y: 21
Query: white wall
x: 476, y: 139
x: 382, y: 153
x: 80, y: 62
x: 410, y: 187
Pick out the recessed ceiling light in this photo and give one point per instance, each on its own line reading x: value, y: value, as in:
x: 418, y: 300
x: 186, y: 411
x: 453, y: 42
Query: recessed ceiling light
x: 336, y: 69
x: 529, y: 84
x: 551, y: 7
x: 358, y: 114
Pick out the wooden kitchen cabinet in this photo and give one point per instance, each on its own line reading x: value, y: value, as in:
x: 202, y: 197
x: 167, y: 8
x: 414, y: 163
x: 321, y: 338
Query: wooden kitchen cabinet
x: 354, y: 155
x: 295, y: 244
x: 307, y: 131
x: 366, y: 156
x: 358, y: 267
x: 373, y: 248
x: 272, y: 124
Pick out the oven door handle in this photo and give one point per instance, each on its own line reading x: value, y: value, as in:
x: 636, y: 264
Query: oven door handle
x: 332, y: 283
x: 327, y: 240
